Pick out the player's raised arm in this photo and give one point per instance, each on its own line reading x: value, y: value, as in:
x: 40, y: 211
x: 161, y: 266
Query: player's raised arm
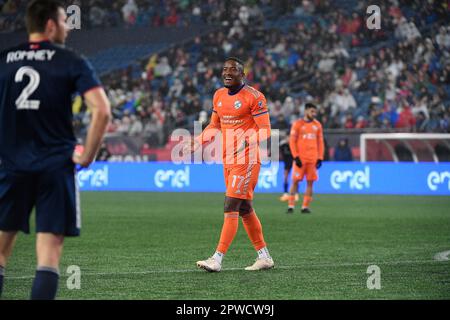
x: 99, y: 104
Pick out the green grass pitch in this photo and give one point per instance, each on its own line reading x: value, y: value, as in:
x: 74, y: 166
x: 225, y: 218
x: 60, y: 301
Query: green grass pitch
x: 145, y: 245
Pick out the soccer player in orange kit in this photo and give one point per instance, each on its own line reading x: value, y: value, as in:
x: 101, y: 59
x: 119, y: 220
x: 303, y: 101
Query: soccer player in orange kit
x: 307, y: 147
x: 240, y: 113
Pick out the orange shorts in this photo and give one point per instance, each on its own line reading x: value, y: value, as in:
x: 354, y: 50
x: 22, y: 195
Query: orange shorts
x: 241, y: 180
x: 308, y: 169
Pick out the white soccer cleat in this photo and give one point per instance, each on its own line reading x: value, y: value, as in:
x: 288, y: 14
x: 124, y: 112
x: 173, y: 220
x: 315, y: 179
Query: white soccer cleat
x: 261, y: 264
x: 210, y: 265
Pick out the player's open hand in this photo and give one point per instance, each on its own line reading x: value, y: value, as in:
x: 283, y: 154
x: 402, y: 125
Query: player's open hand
x: 318, y: 164
x: 298, y: 162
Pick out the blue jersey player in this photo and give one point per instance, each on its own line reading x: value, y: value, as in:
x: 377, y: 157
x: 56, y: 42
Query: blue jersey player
x: 37, y: 159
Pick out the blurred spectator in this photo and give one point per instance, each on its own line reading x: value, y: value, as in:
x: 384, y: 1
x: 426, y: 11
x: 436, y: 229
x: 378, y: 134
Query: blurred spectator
x: 342, y: 101
x: 146, y: 150
x: 443, y: 38
x: 10, y: 7
x: 136, y: 126
x: 97, y: 15
x: 342, y: 152
x: 130, y: 12
x: 281, y: 123
x: 172, y: 18
x: 162, y: 69
x: 360, y: 123
x: 349, y: 122
x: 406, y: 118
x: 124, y: 126
x: 237, y: 30
x: 349, y: 78
x: 406, y: 30
x: 421, y: 122
x: 244, y: 15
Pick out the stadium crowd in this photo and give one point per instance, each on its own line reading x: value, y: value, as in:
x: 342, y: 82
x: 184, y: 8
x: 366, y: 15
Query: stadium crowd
x: 332, y: 59
x: 129, y: 13
x: 395, y: 78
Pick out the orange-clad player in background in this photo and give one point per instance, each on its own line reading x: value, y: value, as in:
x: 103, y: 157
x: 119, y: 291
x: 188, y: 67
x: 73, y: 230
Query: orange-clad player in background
x: 240, y: 113
x: 307, y: 147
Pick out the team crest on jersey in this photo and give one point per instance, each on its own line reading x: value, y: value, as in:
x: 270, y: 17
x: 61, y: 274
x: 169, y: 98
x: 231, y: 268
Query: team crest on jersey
x: 237, y: 104
x: 219, y: 104
x: 315, y: 128
x: 260, y: 105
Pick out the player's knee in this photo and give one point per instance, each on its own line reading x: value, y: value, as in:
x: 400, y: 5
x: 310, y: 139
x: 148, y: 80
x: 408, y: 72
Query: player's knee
x: 49, y: 259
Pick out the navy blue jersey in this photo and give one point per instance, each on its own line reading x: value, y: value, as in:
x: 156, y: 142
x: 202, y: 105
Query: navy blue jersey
x: 37, y: 84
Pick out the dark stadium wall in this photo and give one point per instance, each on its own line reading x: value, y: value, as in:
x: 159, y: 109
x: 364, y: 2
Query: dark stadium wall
x: 90, y: 42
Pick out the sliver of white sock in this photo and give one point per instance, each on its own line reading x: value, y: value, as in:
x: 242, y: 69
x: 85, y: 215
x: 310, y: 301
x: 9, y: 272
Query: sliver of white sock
x: 263, y: 253
x: 218, y: 256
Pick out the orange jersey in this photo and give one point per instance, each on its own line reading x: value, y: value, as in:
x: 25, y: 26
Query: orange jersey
x: 240, y: 117
x: 306, y: 140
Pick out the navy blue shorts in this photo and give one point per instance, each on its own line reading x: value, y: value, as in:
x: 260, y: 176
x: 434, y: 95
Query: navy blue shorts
x: 54, y: 194
x: 288, y: 164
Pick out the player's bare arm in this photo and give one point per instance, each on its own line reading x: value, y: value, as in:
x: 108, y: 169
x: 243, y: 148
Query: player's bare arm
x: 97, y: 100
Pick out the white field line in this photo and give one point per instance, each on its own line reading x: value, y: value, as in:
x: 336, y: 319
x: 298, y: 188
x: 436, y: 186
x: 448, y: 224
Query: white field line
x: 194, y: 269
x: 442, y: 256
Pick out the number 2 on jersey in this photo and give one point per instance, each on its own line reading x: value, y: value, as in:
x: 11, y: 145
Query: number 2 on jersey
x: 22, y: 102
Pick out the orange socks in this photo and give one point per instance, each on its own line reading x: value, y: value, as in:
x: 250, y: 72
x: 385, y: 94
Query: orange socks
x: 291, y: 201
x: 230, y: 227
x: 229, y: 230
x: 306, y: 201
x: 254, y: 230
